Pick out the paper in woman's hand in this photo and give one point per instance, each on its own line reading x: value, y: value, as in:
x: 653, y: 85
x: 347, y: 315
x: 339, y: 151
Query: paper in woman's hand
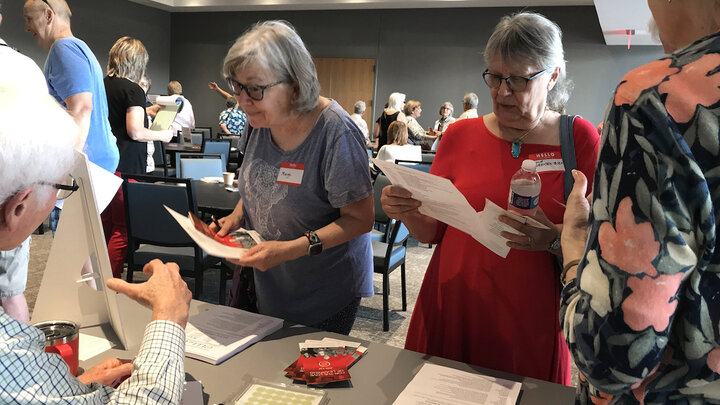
x: 231, y: 246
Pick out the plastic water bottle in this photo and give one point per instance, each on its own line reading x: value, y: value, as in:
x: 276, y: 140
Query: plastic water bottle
x: 525, y: 189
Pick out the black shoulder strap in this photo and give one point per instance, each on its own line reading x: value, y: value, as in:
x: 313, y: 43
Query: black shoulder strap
x: 567, y: 148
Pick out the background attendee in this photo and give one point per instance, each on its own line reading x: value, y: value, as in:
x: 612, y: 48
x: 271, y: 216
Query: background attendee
x: 126, y: 100
x: 222, y: 93
x: 185, y: 116
x: 470, y: 102
x: 74, y: 78
x: 398, y: 148
x: 14, y: 262
x: 446, y: 118
x: 416, y: 133
x: 356, y: 116
x: 232, y: 120
x: 151, y: 111
x: 393, y: 112
x: 28, y: 192
x: 641, y: 317
x: 487, y: 307
x: 316, y: 262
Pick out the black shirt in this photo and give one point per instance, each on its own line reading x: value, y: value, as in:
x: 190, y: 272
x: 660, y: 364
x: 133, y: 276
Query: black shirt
x: 121, y: 95
x: 385, y: 121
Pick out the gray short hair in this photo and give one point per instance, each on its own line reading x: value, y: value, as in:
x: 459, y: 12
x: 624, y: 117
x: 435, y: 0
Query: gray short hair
x: 277, y: 47
x: 359, y: 107
x: 447, y: 105
x: 532, y: 39
x: 396, y: 101
x: 470, y: 100
x: 127, y: 58
x: 41, y: 154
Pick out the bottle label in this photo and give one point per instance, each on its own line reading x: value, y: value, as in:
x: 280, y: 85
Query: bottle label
x: 523, y: 202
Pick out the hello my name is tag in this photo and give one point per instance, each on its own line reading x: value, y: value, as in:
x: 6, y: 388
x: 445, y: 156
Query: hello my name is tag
x: 291, y: 173
x: 548, y: 162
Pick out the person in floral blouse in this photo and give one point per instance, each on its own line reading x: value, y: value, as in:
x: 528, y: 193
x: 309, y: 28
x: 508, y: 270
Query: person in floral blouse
x: 232, y: 120
x: 641, y: 299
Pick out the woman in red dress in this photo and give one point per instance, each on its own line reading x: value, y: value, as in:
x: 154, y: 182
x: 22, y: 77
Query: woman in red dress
x: 475, y: 306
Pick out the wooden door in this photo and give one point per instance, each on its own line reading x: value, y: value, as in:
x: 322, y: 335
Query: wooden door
x: 346, y: 81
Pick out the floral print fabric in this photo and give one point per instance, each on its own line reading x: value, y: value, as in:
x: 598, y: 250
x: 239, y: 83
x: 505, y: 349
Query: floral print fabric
x: 234, y: 119
x: 642, y: 318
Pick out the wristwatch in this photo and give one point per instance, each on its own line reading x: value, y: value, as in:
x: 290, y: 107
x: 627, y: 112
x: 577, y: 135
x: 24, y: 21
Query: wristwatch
x: 316, y: 245
x: 555, y: 244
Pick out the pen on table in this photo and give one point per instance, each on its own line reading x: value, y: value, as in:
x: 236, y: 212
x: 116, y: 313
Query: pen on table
x: 215, y: 221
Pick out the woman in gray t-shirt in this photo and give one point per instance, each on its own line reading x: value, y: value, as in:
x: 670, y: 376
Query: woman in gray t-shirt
x: 304, y: 185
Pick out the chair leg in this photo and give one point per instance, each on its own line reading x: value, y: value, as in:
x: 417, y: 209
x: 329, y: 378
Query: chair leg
x: 386, y: 294
x: 198, y: 284
x: 129, y: 275
x: 404, y: 293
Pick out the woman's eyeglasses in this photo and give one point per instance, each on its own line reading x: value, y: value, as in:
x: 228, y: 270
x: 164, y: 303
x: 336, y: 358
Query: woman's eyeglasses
x: 254, y: 92
x: 514, y: 83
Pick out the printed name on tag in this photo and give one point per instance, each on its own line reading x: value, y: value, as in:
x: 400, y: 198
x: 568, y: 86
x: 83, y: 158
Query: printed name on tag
x: 290, y: 173
x: 548, y: 162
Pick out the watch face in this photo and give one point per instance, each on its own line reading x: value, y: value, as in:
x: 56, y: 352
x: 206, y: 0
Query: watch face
x: 315, y: 249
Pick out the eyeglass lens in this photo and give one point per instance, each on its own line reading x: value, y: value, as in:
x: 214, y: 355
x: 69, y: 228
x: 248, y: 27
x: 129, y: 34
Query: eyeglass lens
x: 254, y: 92
x: 514, y: 83
x: 70, y: 184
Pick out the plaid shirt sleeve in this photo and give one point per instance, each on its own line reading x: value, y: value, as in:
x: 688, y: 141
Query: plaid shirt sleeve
x: 29, y: 375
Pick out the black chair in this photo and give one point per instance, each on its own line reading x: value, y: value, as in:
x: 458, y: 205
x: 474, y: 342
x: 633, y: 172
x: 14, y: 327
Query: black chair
x: 388, y: 253
x: 207, y: 132
x: 162, y: 167
x: 154, y: 234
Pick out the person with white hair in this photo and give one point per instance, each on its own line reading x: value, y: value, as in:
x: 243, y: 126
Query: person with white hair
x: 74, y: 78
x: 14, y: 263
x: 391, y: 113
x: 356, y: 116
x: 488, y: 306
x: 442, y: 123
x: 28, y: 192
x: 304, y: 185
x: 470, y: 103
x: 185, y: 117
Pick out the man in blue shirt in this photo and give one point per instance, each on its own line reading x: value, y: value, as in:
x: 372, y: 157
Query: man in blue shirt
x: 75, y: 78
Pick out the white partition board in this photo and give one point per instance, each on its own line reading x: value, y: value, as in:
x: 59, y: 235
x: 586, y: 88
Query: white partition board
x: 80, y: 235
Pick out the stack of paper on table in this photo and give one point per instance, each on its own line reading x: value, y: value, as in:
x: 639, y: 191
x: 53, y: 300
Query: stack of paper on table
x: 443, y: 201
x: 440, y: 385
x: 217, y: 334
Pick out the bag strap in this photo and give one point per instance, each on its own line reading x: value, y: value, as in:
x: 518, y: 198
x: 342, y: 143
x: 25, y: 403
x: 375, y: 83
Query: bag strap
x: 567, y: 148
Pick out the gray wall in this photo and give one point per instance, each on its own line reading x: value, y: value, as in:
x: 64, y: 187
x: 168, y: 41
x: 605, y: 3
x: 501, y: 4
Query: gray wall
x: 100, y: 23
x: 432, y: 55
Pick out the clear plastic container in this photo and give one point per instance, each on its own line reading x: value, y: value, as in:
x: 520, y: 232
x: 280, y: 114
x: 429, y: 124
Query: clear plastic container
x: 525, y: 189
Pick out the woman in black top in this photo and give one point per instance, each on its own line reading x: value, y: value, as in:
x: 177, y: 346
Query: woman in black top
x: 391, y: 113
x: 126, y: 105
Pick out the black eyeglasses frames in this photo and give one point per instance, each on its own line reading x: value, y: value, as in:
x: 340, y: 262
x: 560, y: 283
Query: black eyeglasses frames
x: 254, y: 92
x: 514, y: 83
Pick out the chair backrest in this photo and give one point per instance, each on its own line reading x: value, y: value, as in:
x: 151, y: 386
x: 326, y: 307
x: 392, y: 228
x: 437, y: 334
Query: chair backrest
x: 194, y: 167
x: 380, y: 182
x: 222, y: 147
x: 193, y: 155
x: 147, y: 220
x: 206, y: 131
x: 397, y: 239
x: 428, y: 157
x: 196, y: 138
x: 423, y: 167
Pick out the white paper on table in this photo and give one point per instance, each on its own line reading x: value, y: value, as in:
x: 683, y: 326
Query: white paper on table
x: 104, y: 184
x: 440, y: 385
x: 440, y: 199
x: 206, y: 243
x: 90, y: 346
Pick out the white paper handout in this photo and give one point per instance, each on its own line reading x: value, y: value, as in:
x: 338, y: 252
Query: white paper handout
x: 442, y: 201
x: 218, y: 333
x: 210, y: 245
x: 438, y: 385
x: 91, y: 346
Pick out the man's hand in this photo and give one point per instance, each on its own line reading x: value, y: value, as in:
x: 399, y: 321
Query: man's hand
x: 165, y: 292
x: 107, y: 371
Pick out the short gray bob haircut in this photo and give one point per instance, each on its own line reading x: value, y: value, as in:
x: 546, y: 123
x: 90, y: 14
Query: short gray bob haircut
x: 470, y: 100
x: 277, y: 47
x: 447, y: 105
x: 533, y: 40
x: 359, y: 107
x: 396, y: 101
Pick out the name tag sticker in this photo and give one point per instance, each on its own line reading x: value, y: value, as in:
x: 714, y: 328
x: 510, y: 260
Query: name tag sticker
x: 548, y: 162
x: 290, y: 173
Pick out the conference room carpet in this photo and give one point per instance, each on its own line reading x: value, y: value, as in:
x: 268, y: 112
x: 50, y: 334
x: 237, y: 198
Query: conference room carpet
x: 368, y: 324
